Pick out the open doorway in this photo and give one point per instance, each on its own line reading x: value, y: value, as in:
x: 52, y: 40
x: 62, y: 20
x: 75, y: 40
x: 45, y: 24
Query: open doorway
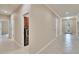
x: 26, y: 30
x: 4, y: 29
x: 69, y: 25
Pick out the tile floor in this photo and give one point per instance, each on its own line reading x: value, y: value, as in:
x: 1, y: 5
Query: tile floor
x: 8, y: 46
x: 67, y: 44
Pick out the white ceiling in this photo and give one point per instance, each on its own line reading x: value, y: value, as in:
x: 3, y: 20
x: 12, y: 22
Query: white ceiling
x: 7, y: 9
x: 64, y: 9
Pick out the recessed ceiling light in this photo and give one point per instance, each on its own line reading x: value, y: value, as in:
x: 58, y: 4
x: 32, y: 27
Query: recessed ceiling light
x: 67, y: 17
x: 5, y: 12
x: 66, y: 12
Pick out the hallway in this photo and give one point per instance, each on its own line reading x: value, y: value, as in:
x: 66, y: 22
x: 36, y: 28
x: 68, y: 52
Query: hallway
x: 57, y: 29
x: 12, y: 28
x: 44, y: 33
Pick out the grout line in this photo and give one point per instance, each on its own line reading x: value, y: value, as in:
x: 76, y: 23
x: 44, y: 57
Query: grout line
x: 45, y: 46
x: 17, y: 43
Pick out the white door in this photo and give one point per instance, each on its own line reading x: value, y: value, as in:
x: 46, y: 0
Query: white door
x: 67, y: 26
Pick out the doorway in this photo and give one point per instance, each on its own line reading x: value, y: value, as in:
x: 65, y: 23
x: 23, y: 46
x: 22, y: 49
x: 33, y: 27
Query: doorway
x: 26, y: 30
x: 4, y: 30
x: 69, y: 25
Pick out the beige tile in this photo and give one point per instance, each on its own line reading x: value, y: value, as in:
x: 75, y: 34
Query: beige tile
x: 8, y: 46
x: 66, y: 45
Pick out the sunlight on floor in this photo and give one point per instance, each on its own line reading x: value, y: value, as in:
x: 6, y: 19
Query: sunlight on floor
x: 68, y: 42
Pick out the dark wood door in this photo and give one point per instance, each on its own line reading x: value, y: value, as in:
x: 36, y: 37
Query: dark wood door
x: 26, y: 31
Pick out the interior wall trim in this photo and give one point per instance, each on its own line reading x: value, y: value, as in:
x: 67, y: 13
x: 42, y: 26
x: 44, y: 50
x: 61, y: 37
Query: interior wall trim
x: 52, y: 10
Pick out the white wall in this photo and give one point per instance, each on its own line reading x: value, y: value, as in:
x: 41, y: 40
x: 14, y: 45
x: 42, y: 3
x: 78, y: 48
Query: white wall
x: 57, y: 27
x: 42, y: 27
x: 78, y: 25
x: 19, y: 23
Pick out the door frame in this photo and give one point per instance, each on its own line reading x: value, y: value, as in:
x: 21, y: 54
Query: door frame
x: 62, y: 24
x: 25, y: 14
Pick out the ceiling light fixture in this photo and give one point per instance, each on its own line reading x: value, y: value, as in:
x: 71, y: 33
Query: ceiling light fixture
x: 67, y: 17
x: 5, y: 12
x: 66, y: 12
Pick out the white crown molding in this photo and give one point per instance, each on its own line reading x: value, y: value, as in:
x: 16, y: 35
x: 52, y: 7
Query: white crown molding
x: 52, y: 10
